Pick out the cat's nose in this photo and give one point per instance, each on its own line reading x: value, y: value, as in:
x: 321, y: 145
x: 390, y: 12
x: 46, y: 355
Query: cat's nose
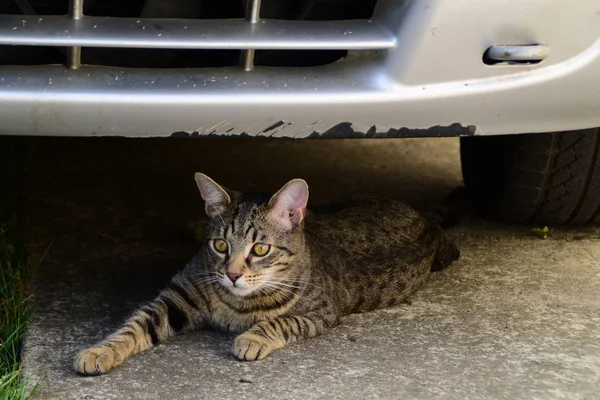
x: 233, y: 276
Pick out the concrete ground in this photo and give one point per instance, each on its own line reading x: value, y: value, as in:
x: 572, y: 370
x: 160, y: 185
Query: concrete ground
x: 517, y: 317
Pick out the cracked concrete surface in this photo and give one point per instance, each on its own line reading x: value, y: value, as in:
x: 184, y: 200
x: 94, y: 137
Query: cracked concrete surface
x: 515, y: 317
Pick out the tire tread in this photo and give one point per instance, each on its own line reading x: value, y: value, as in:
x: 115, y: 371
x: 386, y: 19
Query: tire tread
x: 551, y: 178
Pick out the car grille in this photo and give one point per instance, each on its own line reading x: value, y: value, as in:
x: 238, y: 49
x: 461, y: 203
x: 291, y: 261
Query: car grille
x: 188, y: 33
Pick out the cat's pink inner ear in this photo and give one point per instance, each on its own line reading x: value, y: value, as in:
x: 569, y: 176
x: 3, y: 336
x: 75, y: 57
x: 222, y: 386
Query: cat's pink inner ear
x: 215, y: 197
x: 288, y: 206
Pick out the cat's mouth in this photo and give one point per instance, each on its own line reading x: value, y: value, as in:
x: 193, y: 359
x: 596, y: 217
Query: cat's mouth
x: 241, y: 291
x: 246, y: 284
x: 239, y: 286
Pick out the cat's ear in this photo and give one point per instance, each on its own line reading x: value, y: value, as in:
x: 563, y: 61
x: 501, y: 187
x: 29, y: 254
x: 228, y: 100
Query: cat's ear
x: 215, y: 197
x: 288, y: 206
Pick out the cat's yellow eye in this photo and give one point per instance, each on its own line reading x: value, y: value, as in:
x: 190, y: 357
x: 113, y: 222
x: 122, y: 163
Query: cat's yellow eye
x: 261, y: 249
x: 220, y: 245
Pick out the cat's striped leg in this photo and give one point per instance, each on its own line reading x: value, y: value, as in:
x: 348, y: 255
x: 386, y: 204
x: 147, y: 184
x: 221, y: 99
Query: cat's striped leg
x: 269, y: 335
x: 179, y: 307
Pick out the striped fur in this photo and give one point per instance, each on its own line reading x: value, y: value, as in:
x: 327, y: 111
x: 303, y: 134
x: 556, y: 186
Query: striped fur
x: 350, y: 257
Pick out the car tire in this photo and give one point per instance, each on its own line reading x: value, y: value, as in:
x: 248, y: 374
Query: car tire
x: 545, y: 178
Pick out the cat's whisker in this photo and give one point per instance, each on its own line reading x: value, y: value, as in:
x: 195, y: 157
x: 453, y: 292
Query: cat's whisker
x: 206, y: 281
x: 204, y: 273
x: 282, y: 292
x: 292, y: 280
x: 307, y: 284
x: 206, y: 278
x: 288, y: 285
x: 203, y: 284
x: 279, y: 283
x: 274, y: 285
x: 219, y: 214
x: 202, y: 278
x: 263, y: 291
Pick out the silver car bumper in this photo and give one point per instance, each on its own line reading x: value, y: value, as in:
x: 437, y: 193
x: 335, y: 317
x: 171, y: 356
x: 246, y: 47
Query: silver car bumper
x: 416, y: 68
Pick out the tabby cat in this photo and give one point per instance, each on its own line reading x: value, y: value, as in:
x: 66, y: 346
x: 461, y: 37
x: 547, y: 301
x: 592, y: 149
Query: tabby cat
x: 277, y: 274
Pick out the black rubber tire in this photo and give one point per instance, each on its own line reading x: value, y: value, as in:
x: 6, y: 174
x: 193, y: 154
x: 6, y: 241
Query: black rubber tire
x: 544, y: 178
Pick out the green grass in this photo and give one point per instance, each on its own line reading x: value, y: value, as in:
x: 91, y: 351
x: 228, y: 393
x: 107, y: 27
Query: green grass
x: 14, y: 265
x: 13, y: 315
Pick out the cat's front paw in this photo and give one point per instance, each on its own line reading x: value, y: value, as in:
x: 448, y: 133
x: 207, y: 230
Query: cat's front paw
x: 248, y: 347
x: 95, y: 361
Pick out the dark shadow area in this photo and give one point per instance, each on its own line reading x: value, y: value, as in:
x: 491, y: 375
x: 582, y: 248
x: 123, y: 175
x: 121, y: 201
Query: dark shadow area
x: 116, y: 209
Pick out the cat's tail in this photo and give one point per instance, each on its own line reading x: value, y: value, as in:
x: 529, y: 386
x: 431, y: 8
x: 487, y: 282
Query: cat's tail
x: 446, y: 253
x: 452, y: 210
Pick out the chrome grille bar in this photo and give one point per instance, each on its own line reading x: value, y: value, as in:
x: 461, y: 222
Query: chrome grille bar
x: 227, y: 34
x: 74, y: 53
x: 252, y: 15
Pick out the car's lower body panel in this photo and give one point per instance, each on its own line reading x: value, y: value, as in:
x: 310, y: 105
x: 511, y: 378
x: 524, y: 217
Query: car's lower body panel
x: 294, y: 102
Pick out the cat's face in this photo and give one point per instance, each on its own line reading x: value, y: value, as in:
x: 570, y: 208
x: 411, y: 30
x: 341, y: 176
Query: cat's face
x: 251, y: 244
x: 247, y: 251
